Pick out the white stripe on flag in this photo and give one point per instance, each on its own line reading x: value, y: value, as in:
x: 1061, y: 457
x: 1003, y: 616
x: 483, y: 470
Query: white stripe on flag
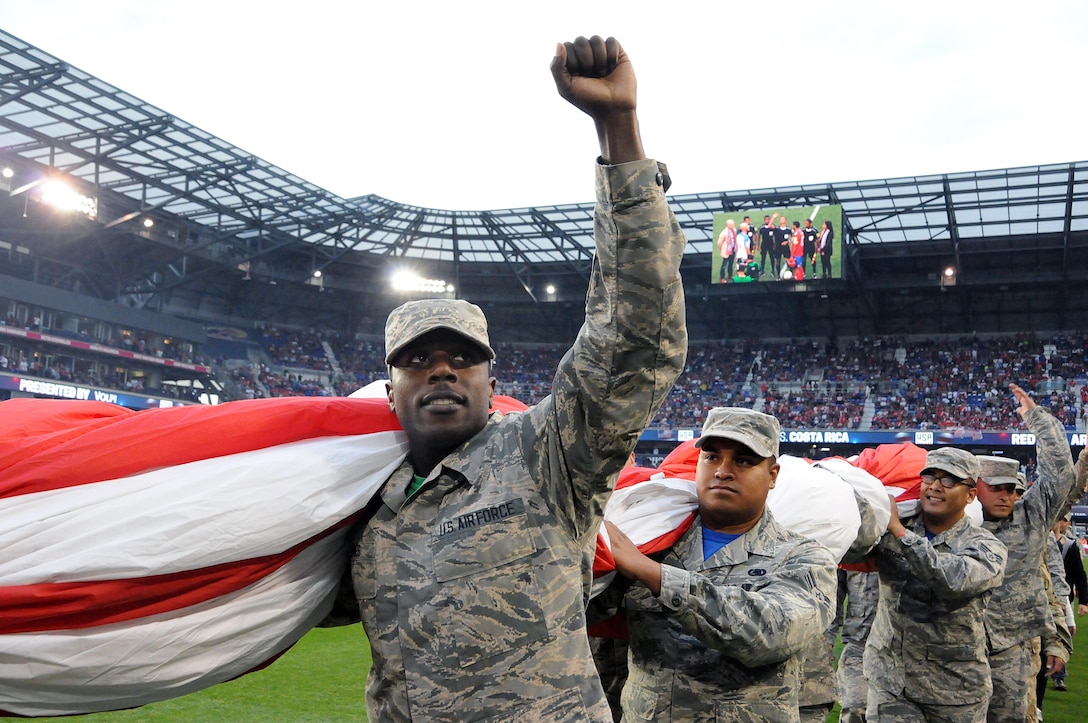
x: 162, y: 656
x: 194, y: 515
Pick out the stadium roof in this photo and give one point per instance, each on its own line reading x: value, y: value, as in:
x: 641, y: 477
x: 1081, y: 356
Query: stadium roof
x: 216, y: 208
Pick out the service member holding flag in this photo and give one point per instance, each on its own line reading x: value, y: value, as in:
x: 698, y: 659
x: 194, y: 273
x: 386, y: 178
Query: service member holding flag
x: 471, y: 572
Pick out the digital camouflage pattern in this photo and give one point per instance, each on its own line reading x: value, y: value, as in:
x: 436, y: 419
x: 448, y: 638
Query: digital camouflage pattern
x: 757, y: 431
x: 1018, y: 610
x: 413, y: 319
x: 861, y: 596
x: 473, y: 592
x: 998, y: 470
x: 1061, y: 644
x: 927, y: 647
x: 955, y: 461
x: 819, y: 690
x: 1013, y: 670
x: 725, y: 638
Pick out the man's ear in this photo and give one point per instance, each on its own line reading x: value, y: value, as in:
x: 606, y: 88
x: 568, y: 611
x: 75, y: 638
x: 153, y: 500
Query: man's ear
x: 972, y: 493
x: 389, y: 396
x: 775, y: 468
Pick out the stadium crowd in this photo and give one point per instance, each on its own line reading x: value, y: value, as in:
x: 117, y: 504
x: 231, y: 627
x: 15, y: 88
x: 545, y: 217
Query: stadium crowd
x: 945, y: 383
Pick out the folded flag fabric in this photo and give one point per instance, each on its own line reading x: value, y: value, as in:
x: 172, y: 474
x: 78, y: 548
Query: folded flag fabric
x: 144, y: 555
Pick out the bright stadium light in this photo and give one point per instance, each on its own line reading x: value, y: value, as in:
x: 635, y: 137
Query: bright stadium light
x: 317, y: 273
x: 58, y: 195
x: 408, y: 281
x: 8, y: 172
x: 148, y: 222
x: 550, y: 289
x: 948, y: 277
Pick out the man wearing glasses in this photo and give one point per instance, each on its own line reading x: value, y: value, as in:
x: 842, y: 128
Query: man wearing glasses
x: 926, y: 654
x: 1018, y: 611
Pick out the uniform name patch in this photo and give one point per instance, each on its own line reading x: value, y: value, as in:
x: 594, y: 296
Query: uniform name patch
x: 483, y: 516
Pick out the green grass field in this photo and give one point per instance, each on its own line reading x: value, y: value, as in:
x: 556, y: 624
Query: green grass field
x: 322, y: 679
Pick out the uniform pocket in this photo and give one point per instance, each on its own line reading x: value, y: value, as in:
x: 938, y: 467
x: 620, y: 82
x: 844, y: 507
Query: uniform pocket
x: 946, y: 674
x: 491, y: 584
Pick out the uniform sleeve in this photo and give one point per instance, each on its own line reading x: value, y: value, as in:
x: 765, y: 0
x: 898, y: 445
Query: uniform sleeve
x: 627, y: 355
x: 1057, y: 640
x: 963, y: 575
x: 759, y: 626
x: 1055, y: 491
x: 1056, y: 566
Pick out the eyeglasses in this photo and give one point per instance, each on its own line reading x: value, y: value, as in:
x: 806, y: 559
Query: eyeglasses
x: 946, y: 482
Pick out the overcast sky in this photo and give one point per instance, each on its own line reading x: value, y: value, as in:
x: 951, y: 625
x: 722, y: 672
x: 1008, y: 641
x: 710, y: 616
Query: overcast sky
x: 451, y: 104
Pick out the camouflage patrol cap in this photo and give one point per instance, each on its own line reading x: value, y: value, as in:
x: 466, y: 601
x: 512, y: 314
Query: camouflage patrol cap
x: 411, y: 320
x: 998, y: 470
x: 1021, y: 482
x: 758, y: 431
x: 953, y: 460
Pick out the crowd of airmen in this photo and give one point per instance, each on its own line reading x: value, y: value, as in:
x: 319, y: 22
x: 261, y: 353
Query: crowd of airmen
x: 471, y: 568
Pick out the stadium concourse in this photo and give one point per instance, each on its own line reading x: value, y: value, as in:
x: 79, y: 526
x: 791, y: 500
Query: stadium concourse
x: 147, y: 262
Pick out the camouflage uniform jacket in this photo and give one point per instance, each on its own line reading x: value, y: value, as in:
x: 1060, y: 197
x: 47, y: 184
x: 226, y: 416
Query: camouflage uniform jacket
x: 471, y: 592
x: 725, y: 639
x: 1018, y: 609
x: 928, y: 641
x: 1057, y: 595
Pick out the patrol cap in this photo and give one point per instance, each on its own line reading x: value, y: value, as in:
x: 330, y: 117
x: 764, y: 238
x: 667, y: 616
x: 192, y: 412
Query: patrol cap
x: 953, y: 460
x: 413, y: 319
x: 1022, y: 483
x: 757, y: 431
x: 999, y: 471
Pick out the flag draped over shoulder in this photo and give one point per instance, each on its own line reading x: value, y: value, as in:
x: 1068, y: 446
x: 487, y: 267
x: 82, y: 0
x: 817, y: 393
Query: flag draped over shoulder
x: 144, y: 555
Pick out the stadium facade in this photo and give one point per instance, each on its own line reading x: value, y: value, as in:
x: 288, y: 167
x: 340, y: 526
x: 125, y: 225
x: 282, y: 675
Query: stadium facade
x: 169, y: 229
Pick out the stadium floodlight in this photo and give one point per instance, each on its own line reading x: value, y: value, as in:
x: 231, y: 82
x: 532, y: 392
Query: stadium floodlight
x: 317, y: 273
x: 408, y: 281
x: 8, y: 172
x: 948, y: 277
x: 550, y: 289
x: 149, y: 222
x: 60, y: 196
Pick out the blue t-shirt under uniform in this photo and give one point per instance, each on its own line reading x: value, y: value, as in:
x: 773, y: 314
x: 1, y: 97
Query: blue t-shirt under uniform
x: 714, y: 541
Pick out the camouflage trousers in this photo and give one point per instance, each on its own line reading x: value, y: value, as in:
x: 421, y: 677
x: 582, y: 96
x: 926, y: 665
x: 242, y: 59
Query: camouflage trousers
x: 1013, y: 672
x: 853, y: 690
x: 862, y: 589
x: 886, y: 708
x: 1033, y: 696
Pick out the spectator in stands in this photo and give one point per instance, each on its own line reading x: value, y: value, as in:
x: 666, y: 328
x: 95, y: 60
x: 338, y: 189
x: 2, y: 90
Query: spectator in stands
x: 719, y: 626
x: 937, y: 571
x: 469, y: 572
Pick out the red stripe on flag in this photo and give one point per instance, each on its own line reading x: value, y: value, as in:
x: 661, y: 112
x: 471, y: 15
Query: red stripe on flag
x: 52, y: 444
x: 74, y: 605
